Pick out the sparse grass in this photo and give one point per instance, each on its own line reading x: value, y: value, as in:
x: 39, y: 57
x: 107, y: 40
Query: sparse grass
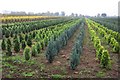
x: 28, y: 74
x: 8, y: 65
x: 83, y: 71
x: 12, y: 64
x: 100, y: 74
x: 17, y: 60
x: 31, y: 62
x: 8, y: 76
x: 11, y: 72
x: 57, y: 76
x: 61, y: 69
x: 42, y: 67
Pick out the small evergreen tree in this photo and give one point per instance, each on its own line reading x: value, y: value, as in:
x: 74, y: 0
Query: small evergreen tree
x: 116, y: 47
x: 38, y: 47
x: 34, y: 50
x: 3, y: 44
x: 46, y: 41
x: 105, y: 59
x: 34, y: 33
x: 21, y: 37
x: 100, y: 52
x: 49, y: 52
x: 58, y: 46
x: 26, y: 37
x: 74, y: 60
x: 23, y: 44
x: 11, y: 34
x: 9, y: 42
x: 30, y: 35
x: 15, y: 36
x: 8, y: 52
x: 37, y: 38
x: 27, y: 53
x: 42, y: 44
x: 17, y: 45
x: 29, y: 42
x: 7, y: 33
x: 55, y: 49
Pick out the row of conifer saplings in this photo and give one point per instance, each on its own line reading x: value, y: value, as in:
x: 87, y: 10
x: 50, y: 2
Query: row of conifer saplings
x: 77, y: 48
x: 24, y: 41
x: 55, y: 45
x: 9, y: 30
x: 101, y: 53
x: 110, y: 36
x: 14, y: 45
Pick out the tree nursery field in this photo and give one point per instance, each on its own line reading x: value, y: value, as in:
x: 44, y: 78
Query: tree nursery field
x: 59, y: 47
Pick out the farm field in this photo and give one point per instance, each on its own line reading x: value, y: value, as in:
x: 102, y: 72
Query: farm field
x: 59, y: 47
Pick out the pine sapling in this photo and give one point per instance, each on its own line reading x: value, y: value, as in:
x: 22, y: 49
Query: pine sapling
x: 17, y: 45
x: 27, y: 54
x: 34, y: 50
x: 3, y: 45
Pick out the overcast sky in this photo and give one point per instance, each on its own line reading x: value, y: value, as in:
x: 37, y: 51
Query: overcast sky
x: 85, y: 7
